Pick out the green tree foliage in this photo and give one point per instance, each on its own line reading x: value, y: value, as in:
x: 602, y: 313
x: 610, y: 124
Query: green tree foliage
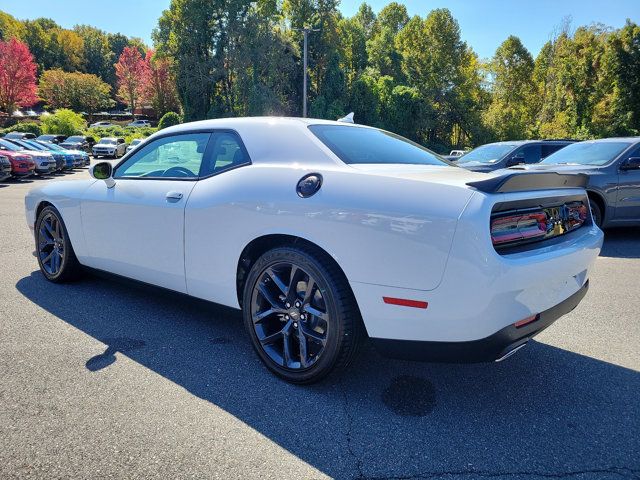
x: 63, y: 122
x: 510, y: 114
x: 27, y: 127
x: 81, y: 92
x: 169, y: 119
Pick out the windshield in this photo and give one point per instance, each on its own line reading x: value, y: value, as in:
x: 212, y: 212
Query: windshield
x: 355, y: 145
x: 53, y: 146
x: 33, y: 145
x: 587, y: 153
x: 489, y: 153
x: 135, y: 142
x: 108, y: 141
x: 46, y: 137
x: 74, y: 140
x: 12, y: 147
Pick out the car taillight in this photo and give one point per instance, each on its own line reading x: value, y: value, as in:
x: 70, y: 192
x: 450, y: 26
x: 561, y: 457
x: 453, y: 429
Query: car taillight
x: 518, y: 227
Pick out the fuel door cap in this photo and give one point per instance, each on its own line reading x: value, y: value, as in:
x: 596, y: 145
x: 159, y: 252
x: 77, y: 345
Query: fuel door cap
x: 309, y: 185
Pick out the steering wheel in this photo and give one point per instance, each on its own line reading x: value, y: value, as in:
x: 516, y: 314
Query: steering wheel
x: 177, y: 172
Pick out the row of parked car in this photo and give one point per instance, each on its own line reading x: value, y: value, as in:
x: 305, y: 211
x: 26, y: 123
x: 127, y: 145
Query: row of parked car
x: 612, y: 166
x: 24, y: 154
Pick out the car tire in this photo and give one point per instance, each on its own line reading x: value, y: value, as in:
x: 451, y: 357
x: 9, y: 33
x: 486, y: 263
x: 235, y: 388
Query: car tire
x: 56, y: 258
x: 596, y: 213
x: 328, y: 328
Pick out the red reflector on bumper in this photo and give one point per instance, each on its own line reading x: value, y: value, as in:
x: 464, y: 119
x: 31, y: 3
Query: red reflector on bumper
x: 405, y: 303
x: 526, y: 321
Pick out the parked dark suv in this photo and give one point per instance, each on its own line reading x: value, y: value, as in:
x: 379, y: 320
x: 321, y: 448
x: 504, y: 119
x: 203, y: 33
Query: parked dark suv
x: 494, y: 156
x: 613, y: 168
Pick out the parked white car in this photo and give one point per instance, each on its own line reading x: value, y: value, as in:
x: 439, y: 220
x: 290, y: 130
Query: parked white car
x: 134, y: 143
x: 102, y: 124
x: 139, y: 123
x: 112, y: 147
x: 323, y: 232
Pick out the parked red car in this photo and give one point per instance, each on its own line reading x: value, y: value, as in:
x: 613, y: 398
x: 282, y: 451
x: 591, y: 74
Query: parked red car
x: 22, y: 165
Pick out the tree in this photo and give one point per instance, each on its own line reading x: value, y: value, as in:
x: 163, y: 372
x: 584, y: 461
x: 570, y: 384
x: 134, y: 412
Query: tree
x: 130, y: 71
x: 169, y: 119
x: 98, y: 57
x: 77, y: 91
x: 187, y: 32
x: 17, y: 76
x: 68, y: 49
x: 64, y: 122
x: 509, y: 115
x: 10, y: 27
x: 158, y: 85
x: 437, y: 63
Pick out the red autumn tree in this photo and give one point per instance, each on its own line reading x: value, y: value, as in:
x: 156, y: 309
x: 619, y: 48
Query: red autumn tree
x: 159, y: 86
x: 17, y: 76
x: 131, y: 72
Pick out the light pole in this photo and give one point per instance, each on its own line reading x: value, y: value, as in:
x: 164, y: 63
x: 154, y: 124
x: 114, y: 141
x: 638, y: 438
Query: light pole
x: 305, y: 33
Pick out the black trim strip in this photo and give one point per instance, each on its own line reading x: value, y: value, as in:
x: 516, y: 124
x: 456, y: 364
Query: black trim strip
x: 526, y: 181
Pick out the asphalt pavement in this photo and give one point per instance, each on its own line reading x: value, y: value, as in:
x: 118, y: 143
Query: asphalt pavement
x: 107, y: 379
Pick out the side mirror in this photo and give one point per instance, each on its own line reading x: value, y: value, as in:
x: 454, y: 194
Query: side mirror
x: 103, y: 171
x: 632, y: 163
x: 515, y: 160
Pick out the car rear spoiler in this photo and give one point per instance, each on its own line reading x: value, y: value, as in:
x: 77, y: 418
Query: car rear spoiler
x: 525, y: 181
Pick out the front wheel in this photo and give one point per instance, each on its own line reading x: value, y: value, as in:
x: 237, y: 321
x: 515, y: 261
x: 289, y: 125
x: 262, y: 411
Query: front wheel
x: 596, y: 213
x: 300, y: 314
x: 56, y: 258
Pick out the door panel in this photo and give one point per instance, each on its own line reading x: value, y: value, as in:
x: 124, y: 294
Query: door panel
x: 628, y: 199
x: 135, y: 229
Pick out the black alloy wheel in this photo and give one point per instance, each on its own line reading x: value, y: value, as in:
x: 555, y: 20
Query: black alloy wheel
x: 56, y: 257
x: 300, y: 313
x: 290, y: 316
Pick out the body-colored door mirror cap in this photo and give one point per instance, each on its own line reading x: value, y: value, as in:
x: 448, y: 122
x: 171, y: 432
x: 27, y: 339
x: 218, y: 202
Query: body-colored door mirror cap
x: 103, y: 171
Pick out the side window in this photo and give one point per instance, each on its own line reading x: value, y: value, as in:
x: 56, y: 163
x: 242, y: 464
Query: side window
x: 634, y: 153
x: 178, y: 156
x: 549, y: 149
x: 227, y: 152
x: 531, y: 153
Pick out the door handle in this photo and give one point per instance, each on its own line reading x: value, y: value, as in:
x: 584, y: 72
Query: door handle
x: 174, y: 196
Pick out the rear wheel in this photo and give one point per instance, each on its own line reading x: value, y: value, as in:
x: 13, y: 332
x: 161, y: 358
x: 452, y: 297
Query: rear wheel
x: 56, y: 258
x: 300, y: 314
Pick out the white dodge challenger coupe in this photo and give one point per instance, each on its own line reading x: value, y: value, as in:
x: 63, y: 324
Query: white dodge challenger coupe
x: 324, y: 233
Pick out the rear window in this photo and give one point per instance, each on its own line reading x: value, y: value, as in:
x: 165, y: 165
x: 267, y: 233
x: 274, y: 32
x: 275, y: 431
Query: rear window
x: 356, y: 145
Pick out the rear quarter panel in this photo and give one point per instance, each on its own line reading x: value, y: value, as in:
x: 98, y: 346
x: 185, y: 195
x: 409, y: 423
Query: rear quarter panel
x: 380, y: 230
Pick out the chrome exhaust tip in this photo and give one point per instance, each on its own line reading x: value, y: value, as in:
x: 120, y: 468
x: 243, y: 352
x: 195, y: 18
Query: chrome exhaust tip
x: 510, y: 352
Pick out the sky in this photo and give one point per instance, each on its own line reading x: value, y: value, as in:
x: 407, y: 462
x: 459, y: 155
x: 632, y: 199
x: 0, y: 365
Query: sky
x: 484, y: 23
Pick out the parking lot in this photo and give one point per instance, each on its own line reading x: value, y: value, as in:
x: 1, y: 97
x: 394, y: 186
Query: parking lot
x: 105, y: 378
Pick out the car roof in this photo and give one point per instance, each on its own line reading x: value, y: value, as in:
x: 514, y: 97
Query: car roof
x: 237, y: 121
x: 615, y: 139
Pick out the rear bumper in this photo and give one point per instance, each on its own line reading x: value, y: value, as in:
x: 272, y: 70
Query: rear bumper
x: 488, y: 349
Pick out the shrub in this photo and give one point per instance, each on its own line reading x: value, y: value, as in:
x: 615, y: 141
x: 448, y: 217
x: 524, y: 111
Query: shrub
x: 128, y: 133
x: 63, y: 122
x: 169, y: 119
x: 26, y: 127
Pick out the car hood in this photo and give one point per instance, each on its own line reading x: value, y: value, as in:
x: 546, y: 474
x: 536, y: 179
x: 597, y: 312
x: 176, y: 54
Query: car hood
x: 36, y: 154
x: 445, y: 174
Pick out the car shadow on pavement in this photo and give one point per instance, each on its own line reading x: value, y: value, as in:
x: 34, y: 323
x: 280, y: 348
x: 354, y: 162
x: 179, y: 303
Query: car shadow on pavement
x: 621, y: 243
x: 545, y: 411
